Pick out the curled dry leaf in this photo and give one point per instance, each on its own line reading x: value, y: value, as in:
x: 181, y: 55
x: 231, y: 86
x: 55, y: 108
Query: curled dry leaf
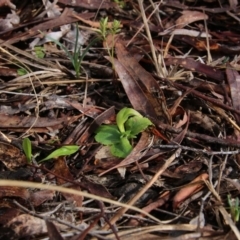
x: 189, y: 17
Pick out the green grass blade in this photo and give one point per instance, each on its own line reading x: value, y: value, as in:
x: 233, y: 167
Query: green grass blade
x: 27, y: 148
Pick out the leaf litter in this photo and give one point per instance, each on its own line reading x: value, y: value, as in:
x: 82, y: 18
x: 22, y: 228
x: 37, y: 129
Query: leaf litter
x: 176, y: 62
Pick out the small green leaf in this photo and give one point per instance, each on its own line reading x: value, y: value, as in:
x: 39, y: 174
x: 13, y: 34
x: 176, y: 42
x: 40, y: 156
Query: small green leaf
x: 39, y: 51
x: 115, y: 27
x: 27, y: 148
x: 63, y: 151
x: 22, y: 71
x: 121, y: 149
x: 137, y: 124
x: 108, y: 134
x: 123, y: 116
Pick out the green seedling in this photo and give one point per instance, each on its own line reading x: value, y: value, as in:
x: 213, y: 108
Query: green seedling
x: 76, y: 57
x: 234, y: 208
x: 120, y: 3
x: 27, y: 148
x: 104, y: 31
x: 62, y: 151
x: 22, y: 71
x: 39, y: 51
x: 129, y: 123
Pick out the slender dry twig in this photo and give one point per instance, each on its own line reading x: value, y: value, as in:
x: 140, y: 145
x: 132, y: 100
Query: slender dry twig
x: 26, y: 184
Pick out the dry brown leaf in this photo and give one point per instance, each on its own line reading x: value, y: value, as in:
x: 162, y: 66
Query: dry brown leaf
x: 189, y: 17
x: 39, y: 197
x: 20, y: 124
x: 149, y: 97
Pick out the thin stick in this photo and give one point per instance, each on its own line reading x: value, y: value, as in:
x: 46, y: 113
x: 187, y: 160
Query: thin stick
x: 26, y: 184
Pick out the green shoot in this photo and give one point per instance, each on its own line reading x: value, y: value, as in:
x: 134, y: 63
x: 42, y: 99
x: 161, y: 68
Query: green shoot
x: 39, y: 51
x: 123, y: 116
x: 104, y: 31
x: 27, y: 148
x: 129, y: 124
x: 77, y: 56
x: 22, y: 71
x: 234, y: 208
x: 63, y: 151
x: 120, y: 3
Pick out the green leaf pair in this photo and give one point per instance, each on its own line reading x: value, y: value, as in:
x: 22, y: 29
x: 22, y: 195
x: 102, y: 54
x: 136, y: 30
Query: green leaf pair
x: 62, y: 151
x: 129, y: 124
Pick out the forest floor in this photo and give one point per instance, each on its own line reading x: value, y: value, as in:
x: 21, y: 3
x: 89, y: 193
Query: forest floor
x: 119, y: 119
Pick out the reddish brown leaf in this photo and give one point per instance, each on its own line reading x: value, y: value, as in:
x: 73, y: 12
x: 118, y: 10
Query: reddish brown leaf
x: 187, y: 191
x: 156, y: 204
